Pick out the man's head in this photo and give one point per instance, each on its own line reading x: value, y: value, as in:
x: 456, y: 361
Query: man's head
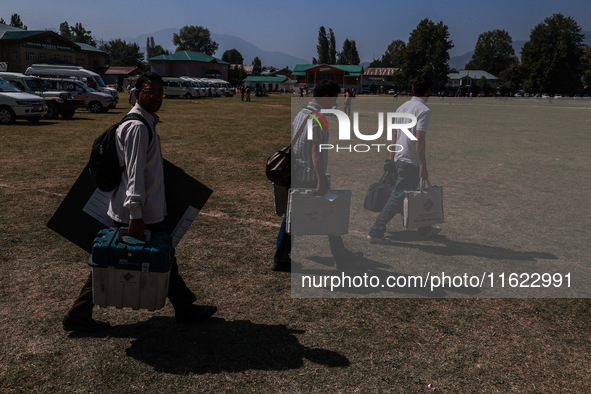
x: 149, y: 92
x: 421, y: 86
x: 326, y: 93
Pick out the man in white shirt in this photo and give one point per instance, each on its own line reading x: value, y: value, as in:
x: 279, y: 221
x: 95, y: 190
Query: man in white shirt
x: 311, y: 174
x: 139, y: 203
x: 410, y: 163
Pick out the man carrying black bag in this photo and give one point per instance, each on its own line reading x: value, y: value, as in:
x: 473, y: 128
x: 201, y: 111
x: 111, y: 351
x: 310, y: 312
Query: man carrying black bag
x: 311, y: 174
x: 379, y: 192
x: 139, y: 203
x: 410, y: 162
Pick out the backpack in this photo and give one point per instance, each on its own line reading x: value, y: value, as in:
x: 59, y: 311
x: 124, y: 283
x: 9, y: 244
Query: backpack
x: 103, y: 164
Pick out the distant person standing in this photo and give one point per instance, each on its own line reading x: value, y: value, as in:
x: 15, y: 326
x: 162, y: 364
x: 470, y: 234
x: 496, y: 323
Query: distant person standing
x: 410, y: 162
x: 247, y: 93
x: 348, y: 102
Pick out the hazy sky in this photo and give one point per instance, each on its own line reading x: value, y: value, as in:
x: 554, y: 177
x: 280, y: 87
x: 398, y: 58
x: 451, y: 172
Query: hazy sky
x: 292, y: 27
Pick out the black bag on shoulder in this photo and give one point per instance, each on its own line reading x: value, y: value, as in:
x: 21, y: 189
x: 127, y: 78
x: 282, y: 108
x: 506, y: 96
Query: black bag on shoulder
x: 278, y: 167
x: 103, y: 164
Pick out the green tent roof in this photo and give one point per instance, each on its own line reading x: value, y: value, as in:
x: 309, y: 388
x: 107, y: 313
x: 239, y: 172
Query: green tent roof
x: 259, y: 78
x: 353, y: 70
x: 188, y: 55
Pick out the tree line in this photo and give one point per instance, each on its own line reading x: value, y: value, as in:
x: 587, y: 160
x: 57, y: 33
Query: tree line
x: 553, y: 60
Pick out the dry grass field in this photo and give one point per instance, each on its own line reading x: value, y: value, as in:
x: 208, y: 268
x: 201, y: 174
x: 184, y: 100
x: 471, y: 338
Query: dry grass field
x: 517, y: 186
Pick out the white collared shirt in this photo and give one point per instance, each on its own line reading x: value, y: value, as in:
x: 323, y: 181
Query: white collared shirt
x: 418, y: 107
x: 140, y: 194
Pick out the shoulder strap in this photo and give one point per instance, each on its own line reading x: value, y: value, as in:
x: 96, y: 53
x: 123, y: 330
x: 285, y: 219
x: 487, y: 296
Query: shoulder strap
x: 141, y: 119
x: 301, y: 129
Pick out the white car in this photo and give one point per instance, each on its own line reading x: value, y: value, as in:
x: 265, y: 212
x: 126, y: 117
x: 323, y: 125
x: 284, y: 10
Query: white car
x: 16, y: 104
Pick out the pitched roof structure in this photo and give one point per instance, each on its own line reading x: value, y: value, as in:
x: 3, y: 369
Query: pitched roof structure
x: 350, y: 70
x: 189, y: 55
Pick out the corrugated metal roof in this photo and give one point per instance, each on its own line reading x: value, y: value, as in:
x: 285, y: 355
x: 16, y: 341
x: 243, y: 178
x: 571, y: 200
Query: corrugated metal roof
x: 300, y: 69
x: 381, y: 71
x: 474, y: 74
x: 90, y: 48
x: 120, y: 70
x: 189, y: 55
x: 277, y: 79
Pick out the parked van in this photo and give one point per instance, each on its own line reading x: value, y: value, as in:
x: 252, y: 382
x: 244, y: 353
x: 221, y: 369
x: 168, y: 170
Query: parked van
x: 174, y: 86
x: 213, y: 89
x: 224, y: 87
x: 91, y: 99
x: 196, y: 85
x: 16, y: 104
x: 58, y: 102
x: 73, y: 72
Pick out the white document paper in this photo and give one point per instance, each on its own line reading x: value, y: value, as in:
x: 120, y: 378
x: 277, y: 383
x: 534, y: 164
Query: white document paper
x: 98, y: 205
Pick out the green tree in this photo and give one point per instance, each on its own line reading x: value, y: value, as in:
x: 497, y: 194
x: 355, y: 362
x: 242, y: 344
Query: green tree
x: 493, y: 52
x: 77, y: 33
x: 587, y: 68
x: 427, y: 52
x: 256, y: 66
x: 15, y: 21
x: 194, y: 38
x: 153, y: 50
x: 233, y: 56
x: 394, y: 55
x: 332, y: 50
x: 552, y: 58
x: 323, y: 47
x: 349, y: 54
x: 123, y: 54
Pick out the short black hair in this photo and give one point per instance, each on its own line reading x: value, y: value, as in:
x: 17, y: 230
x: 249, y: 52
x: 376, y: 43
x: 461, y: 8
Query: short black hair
x: 421, y: 84
x: 326, y: 88
x: 145, y: 77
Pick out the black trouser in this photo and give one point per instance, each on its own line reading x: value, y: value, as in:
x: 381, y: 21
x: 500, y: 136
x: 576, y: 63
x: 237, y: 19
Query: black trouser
x: 178, y: 292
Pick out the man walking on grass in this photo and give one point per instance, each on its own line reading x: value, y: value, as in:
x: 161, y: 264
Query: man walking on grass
x: 139, y: 203
x: 410, y: 163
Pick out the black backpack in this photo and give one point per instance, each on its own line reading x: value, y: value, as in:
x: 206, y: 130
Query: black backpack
x: 103, y: 163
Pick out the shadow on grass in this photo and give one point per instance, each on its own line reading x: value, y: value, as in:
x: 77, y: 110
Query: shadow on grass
x: 218, y: 346
x: 444, y: 246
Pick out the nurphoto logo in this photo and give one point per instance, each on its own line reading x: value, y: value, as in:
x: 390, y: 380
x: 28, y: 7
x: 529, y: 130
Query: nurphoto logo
x: 390, y: 118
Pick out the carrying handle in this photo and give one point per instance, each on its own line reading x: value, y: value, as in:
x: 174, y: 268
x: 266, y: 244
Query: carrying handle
x: 123, y: 232
x: 422, y: 184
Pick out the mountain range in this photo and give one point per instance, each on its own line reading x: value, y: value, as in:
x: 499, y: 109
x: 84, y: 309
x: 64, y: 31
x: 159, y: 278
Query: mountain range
x: 248, y: 50
x: 279, y: 59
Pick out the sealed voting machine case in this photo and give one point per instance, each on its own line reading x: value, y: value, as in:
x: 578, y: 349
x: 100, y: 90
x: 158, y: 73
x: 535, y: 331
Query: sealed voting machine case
x: 423, y: 207
x: 129, y: 272
x: 311, y: 214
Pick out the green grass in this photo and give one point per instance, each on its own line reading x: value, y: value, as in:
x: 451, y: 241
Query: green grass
x: 516, y: 181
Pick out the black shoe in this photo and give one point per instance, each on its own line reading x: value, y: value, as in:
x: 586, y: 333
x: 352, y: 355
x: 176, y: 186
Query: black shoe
x: 194, y: 313
x: 84, y: 324
x: 283, y: 266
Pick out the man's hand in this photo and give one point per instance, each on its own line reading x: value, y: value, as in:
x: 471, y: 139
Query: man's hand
x: 321, y: 186
x: 390, y: 166
x: 424, y: 173
x: 136, y: 227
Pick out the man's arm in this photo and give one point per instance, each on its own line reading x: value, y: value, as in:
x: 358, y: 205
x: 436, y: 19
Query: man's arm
x: 421, y: 145
x: 394, y: 139
x: 135, y: 147
x: 318, y: 162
